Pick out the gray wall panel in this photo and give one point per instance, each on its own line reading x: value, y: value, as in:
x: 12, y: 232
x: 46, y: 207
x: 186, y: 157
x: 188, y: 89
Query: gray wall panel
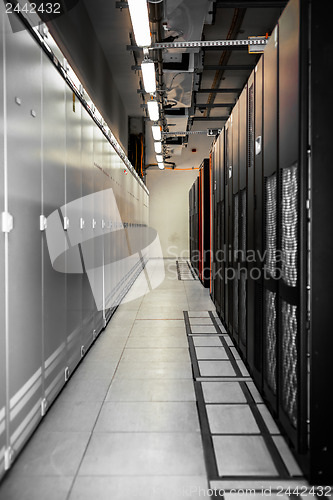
x: 2, y: 274
x: 87, y: 160
x: 73, y: 210
x: 24, y: 269
x: 54, y: 282
x: 98, y: 231
x: 60, y: 165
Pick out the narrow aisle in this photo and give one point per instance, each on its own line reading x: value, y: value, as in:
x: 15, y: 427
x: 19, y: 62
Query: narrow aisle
x: 127, y: 423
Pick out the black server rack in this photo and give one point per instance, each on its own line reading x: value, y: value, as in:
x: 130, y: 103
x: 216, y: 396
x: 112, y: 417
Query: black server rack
x: 271, y: 224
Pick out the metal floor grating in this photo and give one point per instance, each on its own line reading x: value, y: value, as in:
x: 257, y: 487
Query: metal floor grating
x: 185, y: 271
x: 242, y: 444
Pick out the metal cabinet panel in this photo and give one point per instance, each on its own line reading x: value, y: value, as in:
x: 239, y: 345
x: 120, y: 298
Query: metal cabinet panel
x: 73, y: 211
x: 23, y: 87
x: 53, y: 191
x: 255, y: 233
x: 270, y: 104
x: 289, y: 85
x: 2, y: 273
x: 98, y: 270
x: 87, y: 159
x: 243, y: 221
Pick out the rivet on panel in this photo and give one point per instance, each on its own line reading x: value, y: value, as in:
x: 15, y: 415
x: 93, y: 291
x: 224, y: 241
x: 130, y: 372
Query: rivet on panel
x: 18, y: 101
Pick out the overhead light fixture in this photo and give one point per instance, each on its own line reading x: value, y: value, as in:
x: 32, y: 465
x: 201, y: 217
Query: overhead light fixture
x: 148, y: 75
x: 158, y: 147
x: 157, y: 134
x: 153, y: 110
x: 140, y: 22
x: 161, y: 165
x: 159, y: 158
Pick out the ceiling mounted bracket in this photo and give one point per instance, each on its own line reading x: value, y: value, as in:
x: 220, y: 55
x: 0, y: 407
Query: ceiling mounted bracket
x: 209, y: 43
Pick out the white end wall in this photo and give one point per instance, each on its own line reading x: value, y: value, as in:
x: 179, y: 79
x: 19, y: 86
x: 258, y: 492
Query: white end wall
x: 169, y: 208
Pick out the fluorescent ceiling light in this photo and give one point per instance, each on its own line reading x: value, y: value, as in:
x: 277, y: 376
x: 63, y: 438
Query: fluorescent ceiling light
x: 158, y: 147
x: 140, y: 22
x: 153, y: 110
x: 159, y: 158
x: 161, y: 165
x: 148, y: 75
x: 156, y: 129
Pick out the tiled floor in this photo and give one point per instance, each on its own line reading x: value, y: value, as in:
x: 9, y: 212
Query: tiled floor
x: 127, y: 423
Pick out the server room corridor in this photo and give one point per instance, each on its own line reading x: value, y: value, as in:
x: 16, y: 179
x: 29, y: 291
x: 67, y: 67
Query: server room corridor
x: 165, y: 249
x: 162, y: 408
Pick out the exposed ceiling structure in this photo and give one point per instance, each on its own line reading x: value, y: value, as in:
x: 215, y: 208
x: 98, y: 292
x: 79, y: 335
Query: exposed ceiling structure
x: 196, y: 87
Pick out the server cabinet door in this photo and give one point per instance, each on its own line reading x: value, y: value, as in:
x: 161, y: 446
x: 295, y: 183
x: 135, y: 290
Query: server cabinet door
x: 23, y: 101
x: 243, y: 221
x: 73, y: 211
x: 235, y: 223
x: 255, y: 230
x: 292, y: 339
x: 106, y: 163
x: 54, y: 238
x: 87, y: 247
x: 98, y: 271
x: 228, y: 225
x: 248, y: 237
x: 270, y: 237
x: 221, y: 248
x: 2, y: 275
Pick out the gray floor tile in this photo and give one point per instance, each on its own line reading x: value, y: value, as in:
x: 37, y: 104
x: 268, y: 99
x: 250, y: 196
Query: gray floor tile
x: 131, y: 454
x: 157, y: 341
x: 203, y: 329
x: 231, y: 419
x: 151, y: 390
x: 198, y: 314
x: 159, y: 370
x: 287, y: 456
x: 211, y: 352
x: 223, y: 392
x: 78, y: 389
x: 160, y: 331
x: 38, y: 488
x: 235, y: 353
x: 207, y: 340
x: 243, y: 456
x: 271, y: 425
x: 254, y: 392
x: 52, y: 454
x: 200, y: 321
x: 71, y: 416
x: 153, y: 355
x: 148, y: 417
x: 216, y: 369
x: 159, y: 323
x: 242, y: 368
x: 95, y: 369
x: 146, y: 312
x: 138, y: 487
